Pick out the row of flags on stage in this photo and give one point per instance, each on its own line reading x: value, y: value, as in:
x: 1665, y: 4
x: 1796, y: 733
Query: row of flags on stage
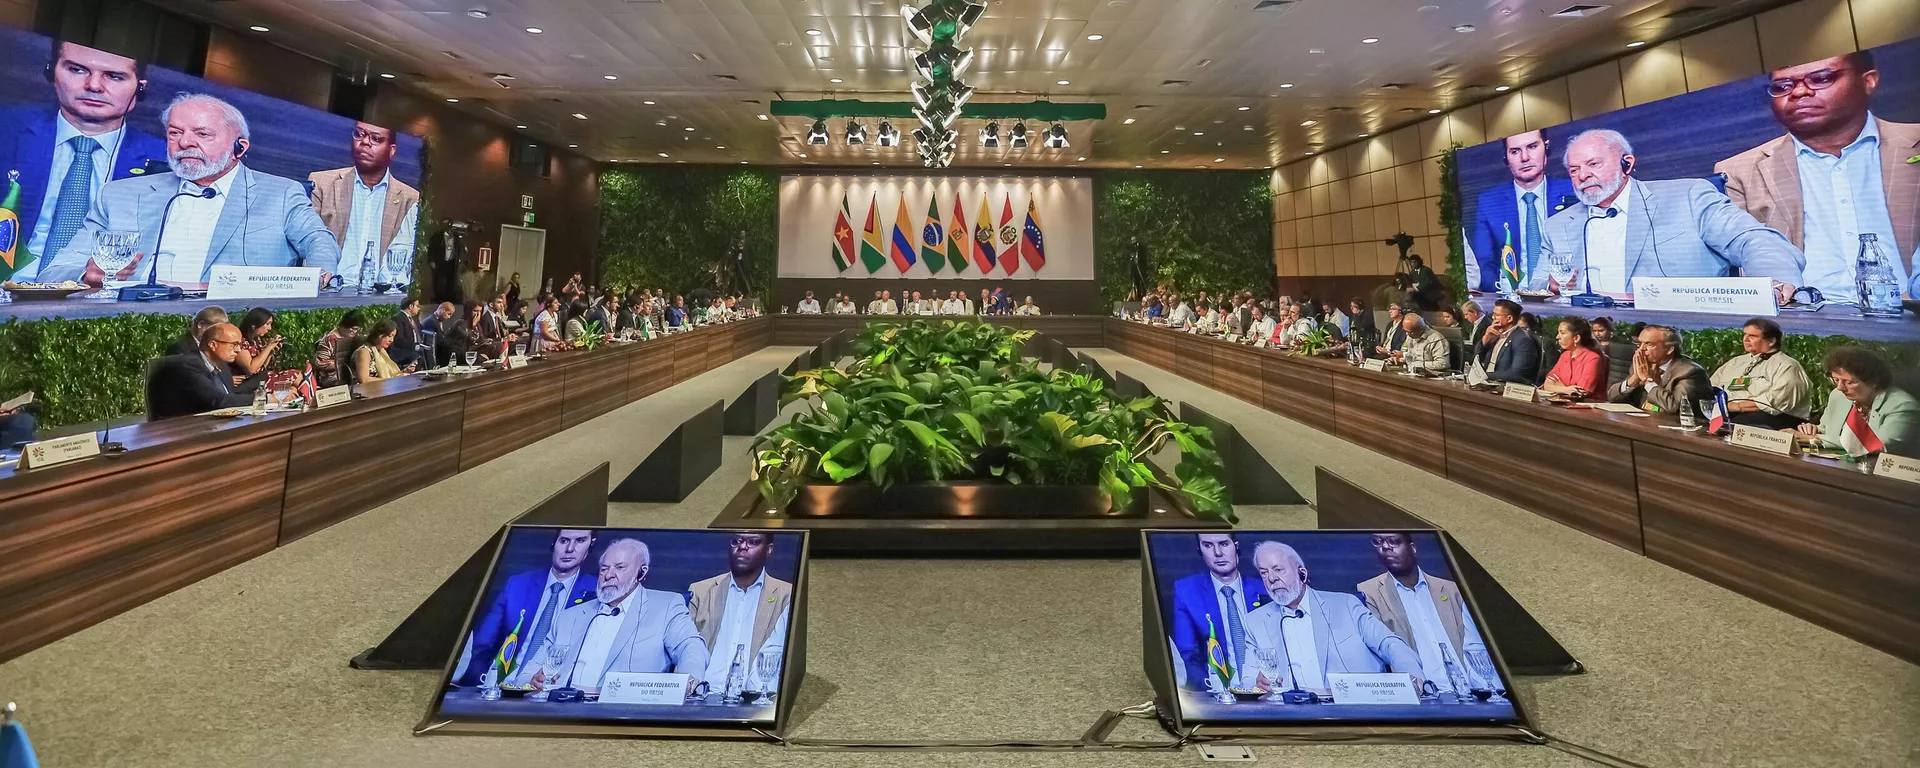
x: 941, y: 246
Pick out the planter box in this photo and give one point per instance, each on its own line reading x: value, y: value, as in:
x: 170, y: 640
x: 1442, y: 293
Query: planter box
x: 962, y: 500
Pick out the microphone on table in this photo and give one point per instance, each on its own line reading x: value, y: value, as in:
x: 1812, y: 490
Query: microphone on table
x: 152, y: 290
x: 1296, y: 694
x: 1588, y: 298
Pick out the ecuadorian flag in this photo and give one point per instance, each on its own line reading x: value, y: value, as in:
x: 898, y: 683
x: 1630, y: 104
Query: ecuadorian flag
x: 902, y: 251
x: 1217, y: 656
x: 509, y: 647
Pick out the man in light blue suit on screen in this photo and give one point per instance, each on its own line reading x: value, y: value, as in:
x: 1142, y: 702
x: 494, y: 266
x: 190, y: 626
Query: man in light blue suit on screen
x: 1308, y: 634
x: 625, y: 628
x: 226, y: 213
x: 1219, y: 599
x: 1503, y: 211
x: 1628, y: 228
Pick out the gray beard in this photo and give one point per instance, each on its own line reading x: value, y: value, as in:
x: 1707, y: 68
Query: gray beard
x: 612, y: 593
x: 1604, y: 193
x: 195, y: 169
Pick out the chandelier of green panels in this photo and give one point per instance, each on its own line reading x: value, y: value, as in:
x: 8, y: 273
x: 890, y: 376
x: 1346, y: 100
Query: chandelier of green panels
x: 939, y: 95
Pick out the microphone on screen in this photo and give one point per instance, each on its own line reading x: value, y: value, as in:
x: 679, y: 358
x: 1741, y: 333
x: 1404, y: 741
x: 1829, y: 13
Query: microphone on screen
x: 152, y: 289
x: 1588, y: 298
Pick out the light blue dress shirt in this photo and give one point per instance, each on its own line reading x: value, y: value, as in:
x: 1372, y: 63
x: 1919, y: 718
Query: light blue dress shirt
x: 1844, y: 197
x: 363, y: 230
x: 105, y: 151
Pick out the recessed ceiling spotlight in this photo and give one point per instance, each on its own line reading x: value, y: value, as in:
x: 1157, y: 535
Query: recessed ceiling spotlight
x: 1502, y: 88
x: 689, y: 129
x: 1096, y: 38
x: 1316, y: 51
x: 1245, y: 108
x: 258, y: 28
x: 1433, y: 111
x: 534, y: 30
x: 1062, y: 82
x: 1369, y: 40
x: 743, y: 162
x: 1128, y: 121
x: 835, y: 80
x: 579, y: 116
x: 723, y: 146
x: 649, y: 102
x: 814, y: 33
x: 1427, y: 8
x: 453, y: 101
x: 1306, y: 123
x: 573, y: 146
x: 610, y: 77
x: 1465, y: 28
x: 477, y: 13
x: 387, y: 75
x: 520, y: 127
x: 1166, y: 151
x: 1079, y: 159
x: 1636, y: 43
x: 1219, y: 159
x: 663, y: 154
x: 1309, y: 153
x: 763, y: 117
x: 1139, y: 166
x: 1364, y: 135
x: 1286, y: 85
x: 1199, y: 133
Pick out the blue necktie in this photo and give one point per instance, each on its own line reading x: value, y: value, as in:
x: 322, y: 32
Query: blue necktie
x: 539, y: 636
x: 1533, y: 233
x: 1235, y: 630
x: 76, y: 196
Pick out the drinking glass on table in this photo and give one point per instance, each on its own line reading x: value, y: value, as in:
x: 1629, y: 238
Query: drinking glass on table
x: 766, y: 666
x: 1269, y: 659
x: 552, y: 656
x: 472, y: 357
x: 113, y: 252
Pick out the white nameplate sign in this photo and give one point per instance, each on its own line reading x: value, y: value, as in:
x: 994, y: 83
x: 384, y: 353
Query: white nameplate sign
x: 226, y: 282
x: 666, y: 689
x: 332, y: 396
x: 1520, y: 392
x: 1374, y: 364
x: 1761, y: 439
x: 1717, y: 295
x: 1897, y: 467
x: 47, y: 453
x: 1391, y: 688
x: 1476, y: 375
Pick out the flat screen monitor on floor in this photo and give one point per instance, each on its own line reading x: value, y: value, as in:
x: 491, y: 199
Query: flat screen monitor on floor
x: 1319, y: 628
x: 630, y: 631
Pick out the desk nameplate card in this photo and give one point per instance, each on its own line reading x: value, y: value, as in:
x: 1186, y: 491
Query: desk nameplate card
x: 1390, y: 688
x: 643, y: 688
x: 332, y: 396
x: 1761, y: 439
x: 61, y: 450
x: 1897, y: 467
x: 1374, y: 364
x: 1520, y: 392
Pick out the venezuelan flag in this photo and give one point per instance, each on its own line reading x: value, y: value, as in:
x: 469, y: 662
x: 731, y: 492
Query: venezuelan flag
x: 509, y: 647
x: 1033, y: 243
x: 1217, y: 656
x: 902, y: 252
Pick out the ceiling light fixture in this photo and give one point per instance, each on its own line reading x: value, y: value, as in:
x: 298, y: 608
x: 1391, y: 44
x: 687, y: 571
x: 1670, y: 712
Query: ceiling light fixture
x: 1219, y: 159
x: 1433, y: 111
x: 1244, y: 108
x: 1636, y: 43
x: 817, y: 135
x: 887, y: 135
x: 1056, y: 137
x: 1502, y: 88
x: 258, y: 28
x: 1062, y: 82
x: 1139, y: 166
x: 478, y: 13
x: 453, y: 101
x: 1309, y: 154
x: 1364, y: 135
x: 663, y: 154
x: 387, y: 75
x: 1286, y: 85
x: 1307, y: 123
x: 835, y: 80
x: 520, y: 127
x: 573, y: 146
x: 579, y: 116
x: 990, y: 135
x: 814, y: 33
x: 1079, y: 159
x: 1166, y: 151
x: 1465, y: 28
x: 762, y: 117
x: 648, y: 102
x: 610, y: 77
x: 1199, y: 133
x: 1019, y: 135
x: 534, y: 30
x: 689, y: 129
x: 1128, y: 121
x: 1096, y: 38
x: 1369, y: 40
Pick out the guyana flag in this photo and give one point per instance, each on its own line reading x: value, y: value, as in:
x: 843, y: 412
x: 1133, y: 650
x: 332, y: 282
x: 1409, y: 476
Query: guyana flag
x: 872, y: 253
x: 956, y: 233
x: 1217, y: 659
x: 933, y: 238
x: 1009, y: 257
x: 983, y: 250
x: 504, y: 659
x: 13, y: 242
x: 902, y: 251
x: 1033, y: 243
x: 843, y: 247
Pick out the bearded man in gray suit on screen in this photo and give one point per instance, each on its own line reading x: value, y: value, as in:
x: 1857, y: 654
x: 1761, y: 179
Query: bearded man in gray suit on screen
x: 226, y: 213
x: 1628, y: 228
x: 625, y: 628
x: 1308, y: 633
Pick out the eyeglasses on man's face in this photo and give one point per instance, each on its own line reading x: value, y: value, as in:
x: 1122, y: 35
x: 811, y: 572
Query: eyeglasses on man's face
x: 1817, y: 80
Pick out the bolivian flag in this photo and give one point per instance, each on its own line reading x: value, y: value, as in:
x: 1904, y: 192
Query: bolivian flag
x: 1033, y: 243
x: 872, y: 253
x: 843, y: 247
x: 1217, y: 656
x: 933, y: 238
x: 957, y: 234
x: 902, y: 252
x: 983, y: 250
x: 511, y: 646
x: 13, y: 243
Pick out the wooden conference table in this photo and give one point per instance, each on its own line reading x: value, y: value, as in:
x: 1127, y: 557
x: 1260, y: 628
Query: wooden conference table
x: 1818, y: 538
x: 82, y: 542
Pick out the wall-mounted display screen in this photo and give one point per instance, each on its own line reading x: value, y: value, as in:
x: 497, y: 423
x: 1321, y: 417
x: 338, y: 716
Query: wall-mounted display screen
x: 1807, y: 175
x: 1329, y: 627
x: 100, y: 152
x: 627, y: 626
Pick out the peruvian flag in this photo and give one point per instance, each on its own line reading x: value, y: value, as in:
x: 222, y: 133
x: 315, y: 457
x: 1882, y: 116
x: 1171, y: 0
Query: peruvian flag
x: 1009, y: 237
x: 1856, y: 438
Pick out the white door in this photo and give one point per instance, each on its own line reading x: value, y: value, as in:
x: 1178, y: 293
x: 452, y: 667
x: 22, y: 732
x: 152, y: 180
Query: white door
x: 522, y: 250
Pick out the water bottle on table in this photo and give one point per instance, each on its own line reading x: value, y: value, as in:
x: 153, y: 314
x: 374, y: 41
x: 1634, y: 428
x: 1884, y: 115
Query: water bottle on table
x: 1873, y: 276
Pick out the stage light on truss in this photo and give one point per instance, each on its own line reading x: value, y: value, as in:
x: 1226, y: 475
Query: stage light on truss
x: 990, y: 135
x: 1056, y: 137
x: 818, y: 135
x: 856, y: 133
x: 938, y: 120
x: 887, y: 135
x: 1019, y: 135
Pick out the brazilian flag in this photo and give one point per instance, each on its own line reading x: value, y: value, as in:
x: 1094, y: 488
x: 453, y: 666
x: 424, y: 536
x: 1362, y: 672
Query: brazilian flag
x: 14, y: 255
x: 509, y: 647
x: 1217, y: 657
x: 933, y: 239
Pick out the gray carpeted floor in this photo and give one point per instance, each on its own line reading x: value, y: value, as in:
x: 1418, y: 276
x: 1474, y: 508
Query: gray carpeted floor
x: 248, y: 668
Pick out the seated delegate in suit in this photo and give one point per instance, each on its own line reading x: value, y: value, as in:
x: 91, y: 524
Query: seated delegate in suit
x: 808, y: 305
x: 1215, y: 604
x: 16, y: 426
x: 1423, y: 610
x: 1028, y: 308
x: 1396, y: 335
x: 1661, y: 378
x: 739, y: 609
x: 183, y: 385
x: 1425, y: 350
x: 531, y: 601
x: 85, y: 138
x: 1580, y: 372
x: 1515, y: 212
x: 1834, y: 141
x: 250, y: 219
x: 624, y: 628
x: 370, y: 360
x: 1342, y: 634
x: 189, y: 342
x: 1512, y: 353
x: 1629, y: 228
x: 371, y: 214
x: 1765, y: 387
x: 1866, y: 414
x: 406, y: 341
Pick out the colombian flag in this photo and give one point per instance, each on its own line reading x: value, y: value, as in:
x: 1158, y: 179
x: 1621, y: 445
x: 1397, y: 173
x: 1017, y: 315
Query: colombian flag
x: 1009, y: 258
x: 13, y: 242
x: 933, y: 238
x: 983, y: 250
x: 843, y: 247
x: 903, y: 256
x: 1510, y: 267
x: 1217, y: 656
x: 511, y: 646
x: 1033, y: 243
x: 956, y: 232
x: 871, y: 252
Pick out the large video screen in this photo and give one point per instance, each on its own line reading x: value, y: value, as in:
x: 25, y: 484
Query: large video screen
x: 1780, y: 175
x: 98, y: 150
x: 1333, y: 627
x: 627, y: 626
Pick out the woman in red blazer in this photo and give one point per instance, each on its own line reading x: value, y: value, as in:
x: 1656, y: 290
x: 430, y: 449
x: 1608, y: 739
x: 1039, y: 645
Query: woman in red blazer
x: 1581, y: 370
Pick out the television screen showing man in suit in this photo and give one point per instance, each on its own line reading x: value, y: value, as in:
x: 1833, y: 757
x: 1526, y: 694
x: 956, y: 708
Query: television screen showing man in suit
x: 1351, y: 627
x: 1805, y: 175
x: 631, y: 625
x: 371, y: 214
x: 94, y: 143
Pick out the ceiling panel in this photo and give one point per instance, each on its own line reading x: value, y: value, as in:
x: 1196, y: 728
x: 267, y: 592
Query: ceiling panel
x: 1209, y: 83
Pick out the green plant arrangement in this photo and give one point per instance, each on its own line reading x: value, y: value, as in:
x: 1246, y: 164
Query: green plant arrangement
x: 591, y: 336
x: 95, y: 368
x: 954, y: 402
x: 1314, y: 342
x: 1203, y: 230
x: 1456, y: 276
x: 670, y: 227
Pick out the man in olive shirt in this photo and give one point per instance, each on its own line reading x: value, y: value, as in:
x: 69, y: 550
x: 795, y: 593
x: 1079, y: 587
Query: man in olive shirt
x: 1765, y: 387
